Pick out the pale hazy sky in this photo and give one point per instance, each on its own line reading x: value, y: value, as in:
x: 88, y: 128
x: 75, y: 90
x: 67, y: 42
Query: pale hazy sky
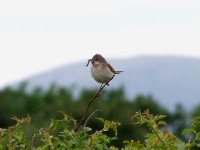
x: 38, y: 35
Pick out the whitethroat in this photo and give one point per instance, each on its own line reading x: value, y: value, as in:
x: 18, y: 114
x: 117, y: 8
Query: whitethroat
x: 101, y: 70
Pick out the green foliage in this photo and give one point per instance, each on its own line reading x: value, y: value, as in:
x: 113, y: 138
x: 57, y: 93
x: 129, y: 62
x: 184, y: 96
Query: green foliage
x: 193, y: 133
x: 42, y: 105
x: 12, y: 137
x: 60, y: 134
x: 157, y: 138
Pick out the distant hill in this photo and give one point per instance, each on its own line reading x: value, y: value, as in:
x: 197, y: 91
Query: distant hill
x: 169, y: 79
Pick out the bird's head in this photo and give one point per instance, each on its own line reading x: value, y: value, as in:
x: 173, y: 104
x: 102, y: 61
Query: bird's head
x: 97, y: 58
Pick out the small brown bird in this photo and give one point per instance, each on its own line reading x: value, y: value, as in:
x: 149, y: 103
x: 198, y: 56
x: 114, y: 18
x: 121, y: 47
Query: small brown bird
x: 101, y: 70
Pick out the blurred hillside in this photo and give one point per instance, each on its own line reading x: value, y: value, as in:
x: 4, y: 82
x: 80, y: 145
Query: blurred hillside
x: 169, y: 79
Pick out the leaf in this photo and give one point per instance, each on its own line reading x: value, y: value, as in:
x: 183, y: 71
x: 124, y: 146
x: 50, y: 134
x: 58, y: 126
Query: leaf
x: 188, y: 131
x: 198, y: 136
x: 100, y: 119
x: 113, y: 148
x: 159, y: 117
x: 161, y: 122
x: 52, y: 123
x: 15, y: 118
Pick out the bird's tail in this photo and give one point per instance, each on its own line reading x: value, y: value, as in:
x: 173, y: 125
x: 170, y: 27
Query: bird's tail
x: 118, y: 72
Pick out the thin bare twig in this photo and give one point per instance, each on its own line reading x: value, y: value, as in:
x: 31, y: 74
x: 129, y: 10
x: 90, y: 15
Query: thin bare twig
x: 84, y: 118
x: 32, y: 142
x: 91, y: 116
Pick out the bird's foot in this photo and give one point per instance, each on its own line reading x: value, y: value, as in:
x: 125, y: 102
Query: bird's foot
x: 107, y: 84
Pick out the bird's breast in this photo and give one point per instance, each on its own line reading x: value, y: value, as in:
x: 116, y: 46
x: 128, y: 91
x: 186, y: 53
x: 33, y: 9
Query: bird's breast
x: 101, y: 73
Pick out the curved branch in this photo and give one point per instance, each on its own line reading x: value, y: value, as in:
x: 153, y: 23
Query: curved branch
x: 84, y: 118
x: 91, y: 116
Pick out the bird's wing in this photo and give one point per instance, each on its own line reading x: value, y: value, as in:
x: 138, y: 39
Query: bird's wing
x: 111, y: 68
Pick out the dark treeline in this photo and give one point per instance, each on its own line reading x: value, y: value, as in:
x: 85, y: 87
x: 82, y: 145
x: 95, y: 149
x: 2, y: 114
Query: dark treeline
x: 114, y: 105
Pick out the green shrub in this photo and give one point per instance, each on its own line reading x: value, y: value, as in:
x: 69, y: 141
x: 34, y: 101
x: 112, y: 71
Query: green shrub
x: 60, y: 135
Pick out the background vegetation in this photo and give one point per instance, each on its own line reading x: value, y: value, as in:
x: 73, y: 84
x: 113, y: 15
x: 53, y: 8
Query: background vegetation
x: 42, y: 106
